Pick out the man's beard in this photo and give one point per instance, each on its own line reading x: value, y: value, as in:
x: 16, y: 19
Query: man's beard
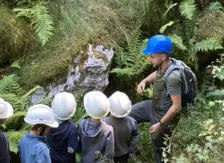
x: 156, y: 66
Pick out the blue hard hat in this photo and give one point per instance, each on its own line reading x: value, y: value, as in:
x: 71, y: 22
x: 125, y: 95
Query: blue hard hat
x: 158, y: 44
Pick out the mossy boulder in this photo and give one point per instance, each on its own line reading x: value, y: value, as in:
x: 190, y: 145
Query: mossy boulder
x: 16, y: 37
x: 211, y: 24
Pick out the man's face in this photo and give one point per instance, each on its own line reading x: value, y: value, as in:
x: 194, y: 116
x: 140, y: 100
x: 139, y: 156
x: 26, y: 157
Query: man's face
x: 156, y: 59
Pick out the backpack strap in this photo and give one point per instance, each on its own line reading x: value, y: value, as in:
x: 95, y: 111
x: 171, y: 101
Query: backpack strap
x: 176, y: 65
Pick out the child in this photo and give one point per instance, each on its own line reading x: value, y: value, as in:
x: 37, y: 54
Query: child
x: 125, y: 128
x: 96, y: 136
x: 63, y: 141
x: 32, y: 148
x: 6, y: 111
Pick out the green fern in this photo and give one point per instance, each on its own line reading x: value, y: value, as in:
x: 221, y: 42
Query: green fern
x: 40, y: 20
x: 13, y: 100
x: 177, y: 40
x: 163, y: 28
x: 46, y: 101
x: 9, y: 84
x: 130, y: 62
x: 217, y: 94
x: 208, y: 45
x: 14, y: 137
x: 214, y: 6
x: 15, y: 121
x: 169, y: 8
x: 79, y: 115
x: 187, y: 9
x: 11, y: 91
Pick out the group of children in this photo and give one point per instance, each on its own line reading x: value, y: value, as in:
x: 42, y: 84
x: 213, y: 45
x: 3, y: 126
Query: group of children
x: 53, y: 138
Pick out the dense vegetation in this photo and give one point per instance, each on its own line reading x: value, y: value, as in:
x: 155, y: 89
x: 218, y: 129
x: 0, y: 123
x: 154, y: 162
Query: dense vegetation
x: 39, y: 39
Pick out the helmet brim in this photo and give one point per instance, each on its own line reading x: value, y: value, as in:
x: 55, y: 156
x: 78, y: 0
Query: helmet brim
x: 53, y: 125
x: 120, y: 116
x: 146, y: 52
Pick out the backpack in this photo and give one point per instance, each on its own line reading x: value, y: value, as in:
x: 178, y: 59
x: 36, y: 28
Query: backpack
x: 188, y: 78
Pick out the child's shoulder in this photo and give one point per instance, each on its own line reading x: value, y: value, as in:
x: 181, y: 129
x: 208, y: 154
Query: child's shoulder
x: 71, y: 124
x: 106, y: 127
x: 82, y: 121
x: 130, y: 118
x: 40, y: 146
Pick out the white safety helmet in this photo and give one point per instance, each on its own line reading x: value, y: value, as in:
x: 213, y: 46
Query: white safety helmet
x: 41, y: 114
x: 6, y: 109
x: 96, y: 104
x: 120, y: 105
x: 64, y: 105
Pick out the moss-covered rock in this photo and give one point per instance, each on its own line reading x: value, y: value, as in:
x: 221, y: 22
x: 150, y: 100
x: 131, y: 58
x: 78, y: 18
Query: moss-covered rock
x: 16, y: 38
x: 52, y: 62
x: 211, y: 24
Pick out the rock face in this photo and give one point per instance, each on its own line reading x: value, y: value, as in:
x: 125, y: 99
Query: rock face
x: 91, y: 75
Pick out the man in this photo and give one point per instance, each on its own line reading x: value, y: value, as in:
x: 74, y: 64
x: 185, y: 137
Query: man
x: 163, y: 111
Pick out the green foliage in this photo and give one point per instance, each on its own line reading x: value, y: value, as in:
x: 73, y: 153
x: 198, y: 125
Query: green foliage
x: 102, y: 159
x: 12, y: 92
x: 211, y: 24
x: 16, y: 37
x: 9, y: 84
x: 163, y: 28
x: 148, y: 92
x: 216, y: 94
x: 169, y: 8
x: 130, y: 62
x: 15, y: 121
x: 218, y: 69
x: 177, y: 41
x: 79, y: 115
x: 145, y: 151
x: 210, y: 44
x: 40, y: 20
x: 213, y: 142
x: 188, y: 8
x: 214, y: 6
x: 186, y: 39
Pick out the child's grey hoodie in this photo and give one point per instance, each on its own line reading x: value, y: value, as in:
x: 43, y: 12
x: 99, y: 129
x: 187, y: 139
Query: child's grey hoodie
x: 126, y: 134
x: 95, y: 137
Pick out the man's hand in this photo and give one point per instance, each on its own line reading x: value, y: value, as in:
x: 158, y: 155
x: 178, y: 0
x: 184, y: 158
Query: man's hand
x: 155, y: 128
x: 141, y: 87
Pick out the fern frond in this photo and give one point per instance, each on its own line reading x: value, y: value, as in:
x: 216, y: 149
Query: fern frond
x: 187, y: 8
x: 15, y: 121
x: 23, y: 12
x: 15, y: 64
x: 43, y: 23
x: 163, y: 28
x: 15, y: 135
x: 9, y: 84
x: 40, y: 20
x: 79, y: 115
x: 13, y: 146
x: 214, y: 6
x: 15, y: 101
x: 217, y: 94
x: 208, y: 45
x: 121, y: 72
x: 169, y: 8
x: 177, y: 40
x: 130, y: 61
